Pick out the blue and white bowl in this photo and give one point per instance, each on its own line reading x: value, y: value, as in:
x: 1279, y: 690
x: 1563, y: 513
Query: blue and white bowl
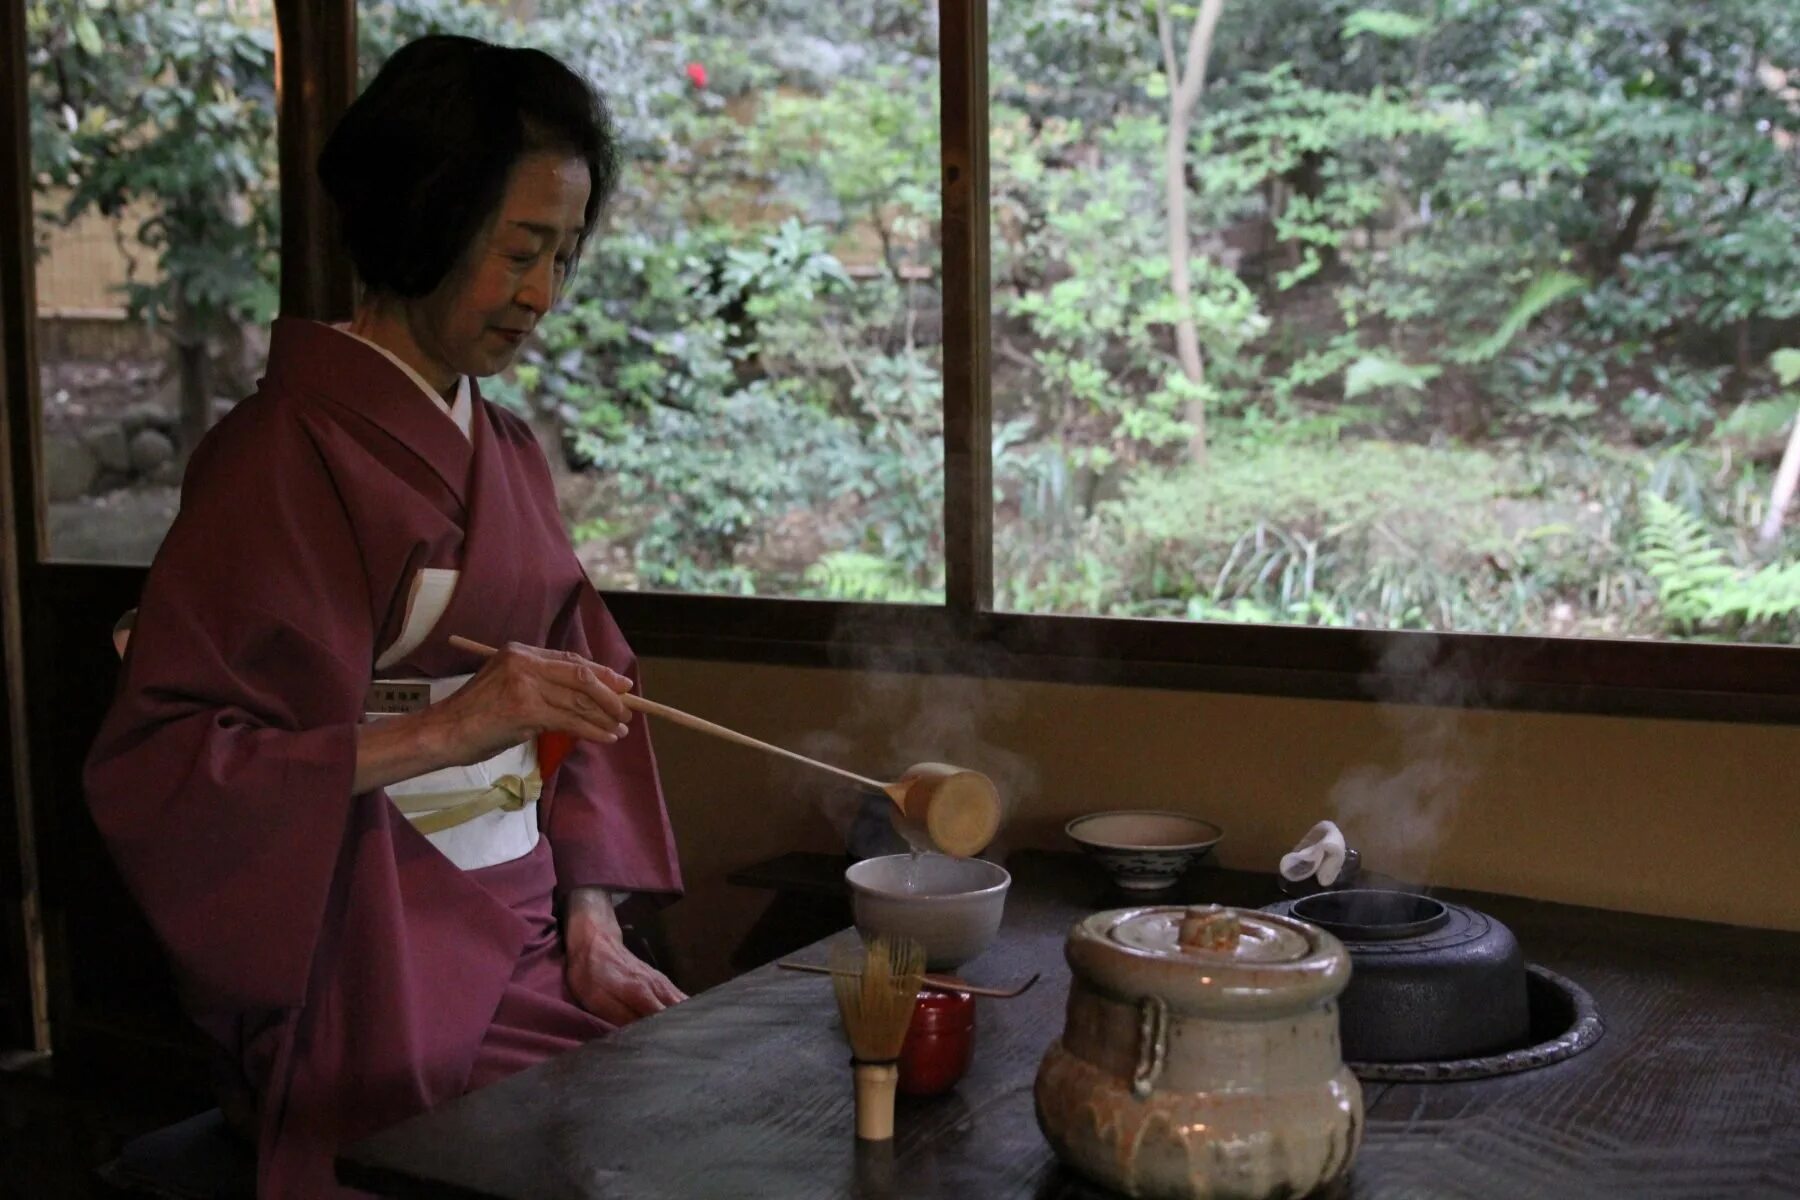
x: 1144, y: 850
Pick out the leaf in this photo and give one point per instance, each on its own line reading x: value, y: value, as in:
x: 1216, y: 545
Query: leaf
x: 1786, y: 364
x: 1397, y: 27
x: 1378, y: 371
x: 87, y: 35
x: 1759, y: 420
x: 1546, y: 290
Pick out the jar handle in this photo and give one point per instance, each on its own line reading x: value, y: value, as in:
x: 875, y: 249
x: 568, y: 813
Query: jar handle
x: 1153, y: 1044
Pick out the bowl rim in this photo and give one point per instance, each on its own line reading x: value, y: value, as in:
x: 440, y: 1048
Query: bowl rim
x: 999, y: 886
x: 1177, y: 848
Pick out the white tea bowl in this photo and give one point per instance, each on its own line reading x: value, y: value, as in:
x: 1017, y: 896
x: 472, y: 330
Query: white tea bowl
x: 951, y: 906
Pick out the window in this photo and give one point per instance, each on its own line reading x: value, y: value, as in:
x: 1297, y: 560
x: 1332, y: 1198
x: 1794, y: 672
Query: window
x: 743, y: 377
x: 153, y: 151
x: 1491, y: 314
x: 1467, y: 318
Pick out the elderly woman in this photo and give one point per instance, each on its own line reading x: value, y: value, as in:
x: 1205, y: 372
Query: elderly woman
x: 375, y: 892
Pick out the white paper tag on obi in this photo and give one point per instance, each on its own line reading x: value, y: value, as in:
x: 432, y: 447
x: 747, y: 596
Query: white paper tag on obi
x: 426, y: 602
x: 494, y: 837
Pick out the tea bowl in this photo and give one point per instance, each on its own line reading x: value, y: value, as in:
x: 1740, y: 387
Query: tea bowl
x: 950, y: 906
x: 1144, y: 849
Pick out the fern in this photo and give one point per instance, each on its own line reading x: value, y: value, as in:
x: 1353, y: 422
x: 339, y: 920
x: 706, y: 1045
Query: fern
x: 857, y: 577
x: 1545, y: 291
x: 1378, y: 371
x: 1394, y: 26
x: 1771, y: 594
x: 1698, y: 586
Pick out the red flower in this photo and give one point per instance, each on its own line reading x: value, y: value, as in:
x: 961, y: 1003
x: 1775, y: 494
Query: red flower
x: 696, y: 73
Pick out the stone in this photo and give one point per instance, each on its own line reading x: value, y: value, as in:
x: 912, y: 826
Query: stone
x: 69, y: 467
x: 150, y: 449
x: 109, y: 447
x: 170, y: 473
x: 147, y: 414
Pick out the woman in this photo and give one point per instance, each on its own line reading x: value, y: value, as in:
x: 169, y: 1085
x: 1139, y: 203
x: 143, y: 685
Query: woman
x: 362, y: 962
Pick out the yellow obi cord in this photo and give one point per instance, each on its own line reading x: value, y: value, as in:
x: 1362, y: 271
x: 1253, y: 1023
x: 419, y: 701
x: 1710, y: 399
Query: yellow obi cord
x: 434, y: 812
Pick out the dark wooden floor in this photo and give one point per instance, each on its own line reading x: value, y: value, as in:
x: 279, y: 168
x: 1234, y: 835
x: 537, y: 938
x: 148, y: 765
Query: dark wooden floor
x: 56, y: 1131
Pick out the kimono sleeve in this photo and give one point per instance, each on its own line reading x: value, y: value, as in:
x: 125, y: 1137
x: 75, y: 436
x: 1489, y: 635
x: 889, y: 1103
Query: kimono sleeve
x: 607, y: 821
x: 221, y: 776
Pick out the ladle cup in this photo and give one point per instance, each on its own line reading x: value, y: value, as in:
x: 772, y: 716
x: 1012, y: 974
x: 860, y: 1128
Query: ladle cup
x: 955, y: 809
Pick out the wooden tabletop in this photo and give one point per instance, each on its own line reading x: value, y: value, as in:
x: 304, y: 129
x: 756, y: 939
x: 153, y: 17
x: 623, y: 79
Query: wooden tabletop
x: 744, y: 1090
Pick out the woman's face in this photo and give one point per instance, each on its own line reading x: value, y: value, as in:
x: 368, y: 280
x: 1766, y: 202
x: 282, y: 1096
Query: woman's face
x: 478, y: 318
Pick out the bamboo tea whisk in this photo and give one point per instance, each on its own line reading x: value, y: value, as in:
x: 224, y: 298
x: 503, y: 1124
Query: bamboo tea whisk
x: 877, y: 986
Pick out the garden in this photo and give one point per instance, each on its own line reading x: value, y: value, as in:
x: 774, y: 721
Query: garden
x: 1428, y: 314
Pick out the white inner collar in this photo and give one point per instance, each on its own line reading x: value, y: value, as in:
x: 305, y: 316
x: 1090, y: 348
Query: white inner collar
x: 459, y: 409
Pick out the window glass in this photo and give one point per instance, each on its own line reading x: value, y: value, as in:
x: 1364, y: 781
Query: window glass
x: 153, y: 155
x: 1454, y: 316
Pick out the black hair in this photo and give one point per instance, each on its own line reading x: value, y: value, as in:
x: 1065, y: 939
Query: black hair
x: 419, y: 161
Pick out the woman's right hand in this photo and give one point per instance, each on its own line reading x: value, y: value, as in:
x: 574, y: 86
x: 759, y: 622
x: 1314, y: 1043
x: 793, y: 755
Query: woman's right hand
x: 523, y: 691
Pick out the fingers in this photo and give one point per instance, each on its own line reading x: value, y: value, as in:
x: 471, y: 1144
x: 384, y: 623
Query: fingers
x: 640, y: 995
x: 600, y: 685
x: 557, y: 690
x: 665, y: 991
x: 625, y: 997
x: 607, y: 1007
x: 605, y: 674
x: 574, y: 710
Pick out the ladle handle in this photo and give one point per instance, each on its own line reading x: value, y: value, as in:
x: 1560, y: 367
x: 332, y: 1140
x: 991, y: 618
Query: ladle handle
x: 700, y: 724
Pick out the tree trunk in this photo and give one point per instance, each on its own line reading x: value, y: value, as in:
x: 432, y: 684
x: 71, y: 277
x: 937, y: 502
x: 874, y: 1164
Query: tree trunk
x: 196, y: 392
x: 1186, y: 83
x: 1787, y: 476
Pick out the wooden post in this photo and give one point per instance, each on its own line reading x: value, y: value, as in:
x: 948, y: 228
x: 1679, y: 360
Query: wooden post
x: 968, y: 399
x: 315, y: 80
x: 22, y: 532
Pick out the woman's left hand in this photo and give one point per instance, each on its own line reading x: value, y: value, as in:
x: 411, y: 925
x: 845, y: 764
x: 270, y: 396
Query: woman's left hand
x: 609, y: 980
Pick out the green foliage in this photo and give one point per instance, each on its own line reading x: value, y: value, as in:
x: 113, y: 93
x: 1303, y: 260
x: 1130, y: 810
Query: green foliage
x: 859, y: 577
x: 1382, y: 372
x: 1464, y: 276
x: 1759, y: 420
x: 168, y: 110
x: 1786, y: 365
x: 1698, y: 586
x: 1676, y: 403
x: 1546, y: 290
x: 1395, y: 26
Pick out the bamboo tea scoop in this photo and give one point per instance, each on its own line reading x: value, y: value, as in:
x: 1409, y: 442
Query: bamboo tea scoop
x: 957, y: 810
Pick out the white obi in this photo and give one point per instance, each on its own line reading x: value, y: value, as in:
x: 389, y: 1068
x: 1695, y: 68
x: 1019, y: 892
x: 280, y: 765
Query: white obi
x: 480, y: 815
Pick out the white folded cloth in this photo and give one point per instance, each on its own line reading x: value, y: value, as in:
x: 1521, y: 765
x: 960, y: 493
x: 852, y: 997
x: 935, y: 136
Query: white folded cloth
x: 1320, y: 853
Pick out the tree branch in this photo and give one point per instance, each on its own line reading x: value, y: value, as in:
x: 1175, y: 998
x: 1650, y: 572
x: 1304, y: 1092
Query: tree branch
x: 1787, y: 476
x: 1642, y: 201
x: 1199, y: 50
x: 1166, y: 34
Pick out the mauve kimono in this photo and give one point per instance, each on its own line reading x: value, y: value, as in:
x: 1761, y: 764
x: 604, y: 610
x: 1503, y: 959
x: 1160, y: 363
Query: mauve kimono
x: 356, y: 973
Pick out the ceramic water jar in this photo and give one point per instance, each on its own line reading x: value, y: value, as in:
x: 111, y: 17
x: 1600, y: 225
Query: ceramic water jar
x: 1199, y: 1058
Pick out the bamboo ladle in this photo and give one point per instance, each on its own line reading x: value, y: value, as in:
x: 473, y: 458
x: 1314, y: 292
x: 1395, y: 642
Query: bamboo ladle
x: 957, y: 810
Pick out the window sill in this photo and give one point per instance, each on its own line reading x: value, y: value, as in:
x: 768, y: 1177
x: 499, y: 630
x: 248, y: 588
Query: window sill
x: 1693, y: 681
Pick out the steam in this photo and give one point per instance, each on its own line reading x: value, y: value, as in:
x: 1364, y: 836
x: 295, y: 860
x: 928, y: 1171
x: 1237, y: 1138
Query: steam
x: 1397, y: 817
x: 919, y: 701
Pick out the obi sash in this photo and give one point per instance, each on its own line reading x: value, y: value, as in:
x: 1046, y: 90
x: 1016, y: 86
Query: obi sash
x: 479, y: 815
